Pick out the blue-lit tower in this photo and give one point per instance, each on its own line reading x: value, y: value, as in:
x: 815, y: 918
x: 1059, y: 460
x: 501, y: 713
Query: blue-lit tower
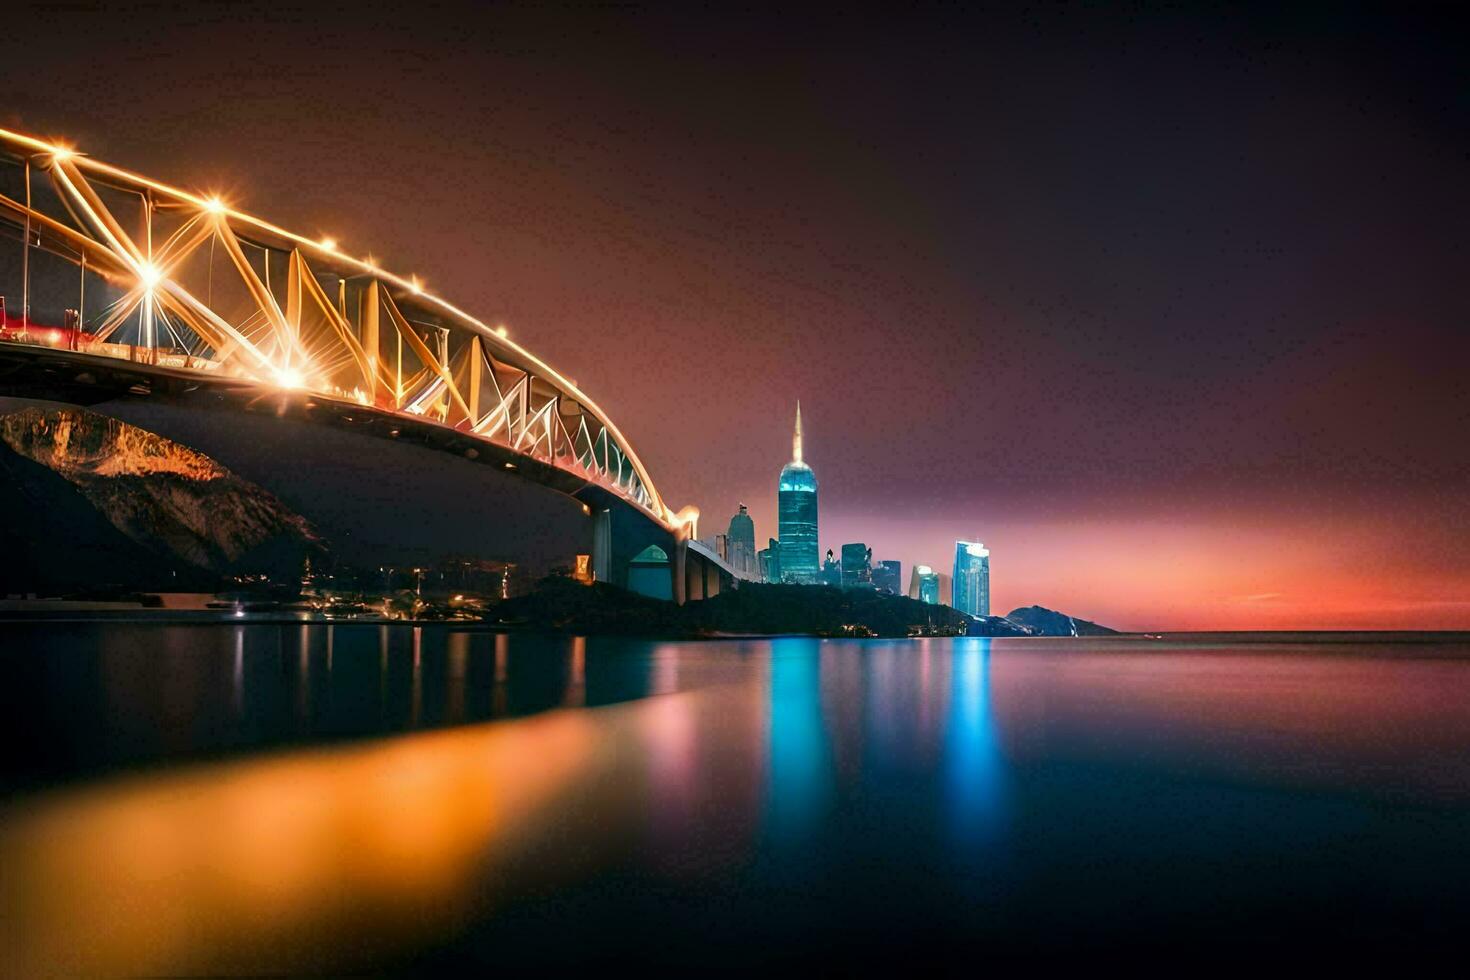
x: 971, y: 578
x: 796, y: 505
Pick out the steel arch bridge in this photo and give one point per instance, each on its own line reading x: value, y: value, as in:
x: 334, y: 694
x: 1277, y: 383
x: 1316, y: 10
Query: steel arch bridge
x: 123, y: 267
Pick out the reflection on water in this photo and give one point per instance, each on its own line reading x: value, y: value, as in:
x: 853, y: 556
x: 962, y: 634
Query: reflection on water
x: 800, y: 758
x: 973, y: 764
x: 444, y: 798
x: 120, y: 694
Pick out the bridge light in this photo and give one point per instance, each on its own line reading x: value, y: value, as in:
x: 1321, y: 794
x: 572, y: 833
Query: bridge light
x: 61, y: 154
x: 214, y: 205
x: 149, y: 275
x: 289, y: 377
x: 415, y: 285
x: 329, y: 243
x: 501, y: 331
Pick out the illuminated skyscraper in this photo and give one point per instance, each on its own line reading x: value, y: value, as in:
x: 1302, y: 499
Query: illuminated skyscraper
x: 797, y: 515
x: 924, y: 585
x: 888, y: 577
x: 741, y: 545
x: 971, y: 578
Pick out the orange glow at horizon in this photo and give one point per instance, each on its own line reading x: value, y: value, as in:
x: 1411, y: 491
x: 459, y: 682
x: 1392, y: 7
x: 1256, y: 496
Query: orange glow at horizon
x: 1231, y: 571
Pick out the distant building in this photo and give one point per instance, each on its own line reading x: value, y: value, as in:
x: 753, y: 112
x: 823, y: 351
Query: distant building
x: 971, y: 578
x: 742, y: 545
x: 831, y: 571
x: 770, y: 562
x: 857, y: 566
x: 924, y: 585
x: 797, y: 515
x: 888, y: 577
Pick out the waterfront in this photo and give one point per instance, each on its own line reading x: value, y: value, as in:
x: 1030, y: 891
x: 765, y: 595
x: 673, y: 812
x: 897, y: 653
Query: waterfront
x: 211, y: 798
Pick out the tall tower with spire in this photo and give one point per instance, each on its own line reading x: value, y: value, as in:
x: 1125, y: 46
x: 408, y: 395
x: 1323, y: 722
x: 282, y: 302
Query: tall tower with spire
x: 796, y: 507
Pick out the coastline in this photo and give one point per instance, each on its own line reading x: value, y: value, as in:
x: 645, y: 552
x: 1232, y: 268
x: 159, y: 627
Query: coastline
x: 122, y: 614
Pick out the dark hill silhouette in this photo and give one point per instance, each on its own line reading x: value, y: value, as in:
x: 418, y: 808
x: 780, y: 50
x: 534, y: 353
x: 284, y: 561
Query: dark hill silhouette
x: 1048, y: 622
x: 563, y: 604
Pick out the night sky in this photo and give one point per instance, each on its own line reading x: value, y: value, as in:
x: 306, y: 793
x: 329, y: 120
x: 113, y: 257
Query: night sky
x: 1169, y: 306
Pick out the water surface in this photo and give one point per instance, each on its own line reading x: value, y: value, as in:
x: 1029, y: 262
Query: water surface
x: 263, y: 798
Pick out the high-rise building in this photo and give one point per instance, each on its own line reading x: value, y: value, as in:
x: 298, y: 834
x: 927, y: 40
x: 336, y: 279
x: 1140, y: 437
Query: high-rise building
x: 832, y: 571
x: 888, y: 577
x: 741, y: 545
x: 857, y: 566
x: 796, y: 499
x: 971, y: 578
x: 924, y: 585
x: 770, y: 562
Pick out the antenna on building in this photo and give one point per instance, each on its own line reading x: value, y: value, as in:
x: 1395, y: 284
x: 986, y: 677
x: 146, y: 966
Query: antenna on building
x: 796, y: 439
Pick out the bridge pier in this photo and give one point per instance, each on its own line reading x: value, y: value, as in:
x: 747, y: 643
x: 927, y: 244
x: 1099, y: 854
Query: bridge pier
x: 677, y: 567
x: 602, y: 547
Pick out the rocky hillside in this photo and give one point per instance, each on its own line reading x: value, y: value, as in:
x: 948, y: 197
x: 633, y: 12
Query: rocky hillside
x: 177, y: 509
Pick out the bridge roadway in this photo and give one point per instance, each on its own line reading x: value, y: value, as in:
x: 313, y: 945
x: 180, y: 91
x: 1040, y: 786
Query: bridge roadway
x: 384, y: 487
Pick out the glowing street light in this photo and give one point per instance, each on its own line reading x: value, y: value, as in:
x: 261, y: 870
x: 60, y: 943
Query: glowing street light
x: 501, y: 331
x: 214, y: 205
x: 329, y: 243
x: 289, y: 377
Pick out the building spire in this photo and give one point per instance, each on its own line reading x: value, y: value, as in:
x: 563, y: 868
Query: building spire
x: 796, y: 439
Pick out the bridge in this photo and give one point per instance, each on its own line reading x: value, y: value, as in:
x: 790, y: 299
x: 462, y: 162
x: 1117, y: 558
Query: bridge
x: 177, y: 312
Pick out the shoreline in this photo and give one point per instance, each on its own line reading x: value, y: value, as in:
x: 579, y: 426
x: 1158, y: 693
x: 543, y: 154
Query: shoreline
x: 140, y: 615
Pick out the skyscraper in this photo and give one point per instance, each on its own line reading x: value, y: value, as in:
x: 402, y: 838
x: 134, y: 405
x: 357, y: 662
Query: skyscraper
x: 924, y: 585
x: 888, y: 577
x: 796, y: 499
x: 857, y: 566
x: 741, y: 545
x: 971, y: 578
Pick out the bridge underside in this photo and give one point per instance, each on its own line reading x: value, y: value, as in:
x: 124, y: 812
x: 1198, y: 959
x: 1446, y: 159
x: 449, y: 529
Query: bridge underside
x: 382, y: 489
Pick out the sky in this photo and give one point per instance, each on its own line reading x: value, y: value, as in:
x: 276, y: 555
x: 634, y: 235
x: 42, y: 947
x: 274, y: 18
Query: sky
x: 1165, y: 304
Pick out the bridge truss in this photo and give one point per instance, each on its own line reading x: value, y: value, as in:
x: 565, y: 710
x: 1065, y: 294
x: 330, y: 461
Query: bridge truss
x: 109, y: 263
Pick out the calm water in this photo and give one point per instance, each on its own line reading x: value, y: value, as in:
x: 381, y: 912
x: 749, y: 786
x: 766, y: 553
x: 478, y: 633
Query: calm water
x: 209, y: 799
